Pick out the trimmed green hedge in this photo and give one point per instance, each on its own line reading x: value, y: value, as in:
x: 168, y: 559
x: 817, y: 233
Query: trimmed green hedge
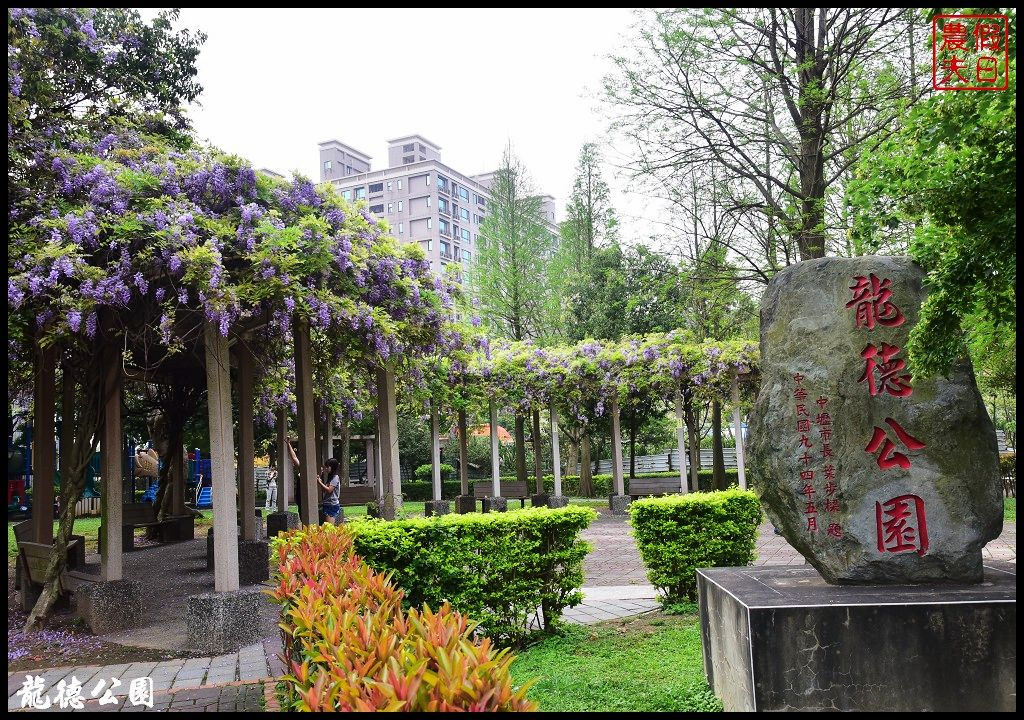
x: 498, y: 568
x: 678, y: 534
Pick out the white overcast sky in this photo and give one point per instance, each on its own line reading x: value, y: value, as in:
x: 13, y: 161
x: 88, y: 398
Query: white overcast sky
x: 277, y: 82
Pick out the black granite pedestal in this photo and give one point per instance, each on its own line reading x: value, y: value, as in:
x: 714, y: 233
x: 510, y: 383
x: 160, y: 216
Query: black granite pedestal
x: 781, y: 638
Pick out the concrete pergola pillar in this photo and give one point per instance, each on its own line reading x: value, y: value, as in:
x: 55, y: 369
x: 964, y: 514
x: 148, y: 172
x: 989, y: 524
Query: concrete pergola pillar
x: 282, y: 519
x: 681, y: 439
x: 222, y: 456
x: 465, y: 502
x: 437, y: 506
x: 111, y: 559
x: 619, y: 501
x: 540, y: 497
x: 371, y: 463
x: 115, y: 603
x: 741, y: 471
x: 246, y: 450
x: 390, y: 473
x: 285, y: 471
x: 556, y: 500
x: 44, y: 448
x: 496, y: 501
x: 177, y: 488
x: 329, y: 437
x: 309, y: 511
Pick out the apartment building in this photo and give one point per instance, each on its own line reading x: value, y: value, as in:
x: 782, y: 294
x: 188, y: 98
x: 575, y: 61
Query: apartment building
x: 423, y: 200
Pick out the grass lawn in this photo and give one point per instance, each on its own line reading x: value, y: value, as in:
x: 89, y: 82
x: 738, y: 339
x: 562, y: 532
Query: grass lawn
x: 1010, y: 509
x: 647, y: 663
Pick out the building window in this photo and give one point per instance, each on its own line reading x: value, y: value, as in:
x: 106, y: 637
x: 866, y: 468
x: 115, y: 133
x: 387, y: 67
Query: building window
x: 430, y: 245
x: 445, y: 250
x: 391, y: 208
x: 399, y: 187
x: 428, y: 201
x: 466, y: 256
x: 399, y: 206
x: 463, y: 193
x: 408, y: 159
x: 480, y: 201
x: 444, y: 227
x: 429, y: 224
x: 389, y: 186
x: 379, y: 209
x: 442, y: 205
x: 376, y: 188
x: 409, y: 148
x: 401, y: 228
x: 427, y: 178
x: 442, y: 183
x: 455, y: 253
x: 327, y: 165
x: 348, y: 169
x: 422, y: 149
x: 347, y: 194
x: 360, y: 193
x: 465, y: 234
x: 422, y: 158
x: 464, y: 214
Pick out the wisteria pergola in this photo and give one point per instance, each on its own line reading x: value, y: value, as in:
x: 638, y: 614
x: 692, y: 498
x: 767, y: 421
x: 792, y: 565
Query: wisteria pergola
x: 171, y: 265
x: 584, y: 381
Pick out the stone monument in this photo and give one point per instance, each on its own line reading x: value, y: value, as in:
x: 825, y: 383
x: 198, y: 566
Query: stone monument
x: 888, y: 484
x: 873, y: 474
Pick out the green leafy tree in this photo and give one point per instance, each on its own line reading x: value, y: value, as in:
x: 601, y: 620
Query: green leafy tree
x: 507, y: 280
x: 779, y: 102
x: 950, y: 176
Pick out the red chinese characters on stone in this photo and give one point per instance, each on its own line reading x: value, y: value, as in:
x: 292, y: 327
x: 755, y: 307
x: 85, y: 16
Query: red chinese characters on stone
x: 835, y: 530
x: 901, y: 526
x: 890, y: 379
x: 871, y: 300
x: 889, y: 458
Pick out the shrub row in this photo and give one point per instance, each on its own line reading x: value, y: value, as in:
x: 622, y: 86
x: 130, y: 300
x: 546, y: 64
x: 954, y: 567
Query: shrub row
x: 499, y: 568
x: 423, y: 491
x: 349, y: 646
x: 677, y: 534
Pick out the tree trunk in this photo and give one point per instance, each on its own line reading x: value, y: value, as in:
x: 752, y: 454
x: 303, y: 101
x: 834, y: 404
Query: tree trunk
x: 718, y: 472
x: 632, y: 443
x: 690, y: 418
x: 537, y: 473
x: 571, y: 457
x: 520, y: 448
x: 71, y: 487
x: 811, y: 164
x: 346, y: 452
x: 586, y: 478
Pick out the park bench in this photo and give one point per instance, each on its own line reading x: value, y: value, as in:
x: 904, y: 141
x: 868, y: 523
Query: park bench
x: 32, y: 560
x: 515, y: 490
x: 133, y: 515
x: 352, y: 496
x: 639, y: 487
x: 76, y: 548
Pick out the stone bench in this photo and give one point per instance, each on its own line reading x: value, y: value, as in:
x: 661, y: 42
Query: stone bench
x: 515, y: 490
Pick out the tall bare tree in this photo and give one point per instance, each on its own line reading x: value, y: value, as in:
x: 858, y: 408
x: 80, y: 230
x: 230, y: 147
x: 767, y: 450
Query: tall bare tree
x: 773, y: 100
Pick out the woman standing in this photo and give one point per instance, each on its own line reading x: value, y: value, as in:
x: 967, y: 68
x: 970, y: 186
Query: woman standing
x: 329, y: 472
x: 332, y: 503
